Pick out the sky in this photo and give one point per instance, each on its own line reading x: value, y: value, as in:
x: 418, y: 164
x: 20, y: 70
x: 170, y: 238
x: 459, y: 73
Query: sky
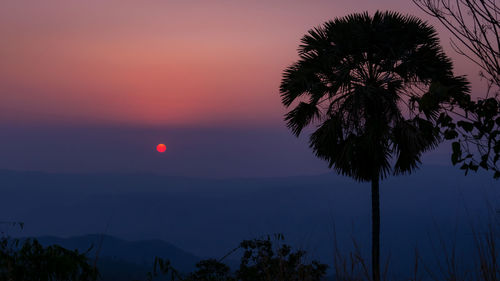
x: 93, y: 86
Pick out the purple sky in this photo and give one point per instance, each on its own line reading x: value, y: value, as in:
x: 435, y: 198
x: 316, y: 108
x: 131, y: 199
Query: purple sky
x: 89, y: 86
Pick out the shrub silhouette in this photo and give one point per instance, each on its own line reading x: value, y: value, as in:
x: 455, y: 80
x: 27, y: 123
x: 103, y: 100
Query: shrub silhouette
x: 28, y: 260
x: 262, y: 260
x: 211, y: 270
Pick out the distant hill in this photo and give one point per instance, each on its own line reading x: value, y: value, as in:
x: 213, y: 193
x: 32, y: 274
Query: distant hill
x: 124, y: 260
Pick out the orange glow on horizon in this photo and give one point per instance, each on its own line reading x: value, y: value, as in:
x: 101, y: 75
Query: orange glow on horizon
x: 173, y: 63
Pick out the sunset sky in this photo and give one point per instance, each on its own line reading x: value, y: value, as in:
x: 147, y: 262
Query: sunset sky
x: 152, y: 64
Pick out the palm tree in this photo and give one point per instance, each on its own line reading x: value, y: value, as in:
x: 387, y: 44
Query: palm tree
x: 364, y: 83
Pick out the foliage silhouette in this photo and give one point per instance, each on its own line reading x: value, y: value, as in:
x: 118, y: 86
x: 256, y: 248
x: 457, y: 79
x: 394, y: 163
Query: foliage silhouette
x: 28, y: 260
x: 263, y: 260
x: 476, y: 129
x: 211, y: 270
x: 364, y: 82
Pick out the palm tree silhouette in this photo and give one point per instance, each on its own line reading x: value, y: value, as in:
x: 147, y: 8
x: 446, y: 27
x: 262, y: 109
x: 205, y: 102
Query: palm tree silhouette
x: 364, y: 81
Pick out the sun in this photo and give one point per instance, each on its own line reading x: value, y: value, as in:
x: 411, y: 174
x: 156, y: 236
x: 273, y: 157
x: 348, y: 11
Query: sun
x: 161, y: 148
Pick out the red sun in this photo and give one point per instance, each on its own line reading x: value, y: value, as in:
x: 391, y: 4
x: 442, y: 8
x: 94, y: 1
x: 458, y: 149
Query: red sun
x: 161, y: 148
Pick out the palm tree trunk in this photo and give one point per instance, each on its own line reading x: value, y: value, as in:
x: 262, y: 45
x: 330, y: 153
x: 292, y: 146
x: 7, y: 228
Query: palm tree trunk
x: 375, y: 230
